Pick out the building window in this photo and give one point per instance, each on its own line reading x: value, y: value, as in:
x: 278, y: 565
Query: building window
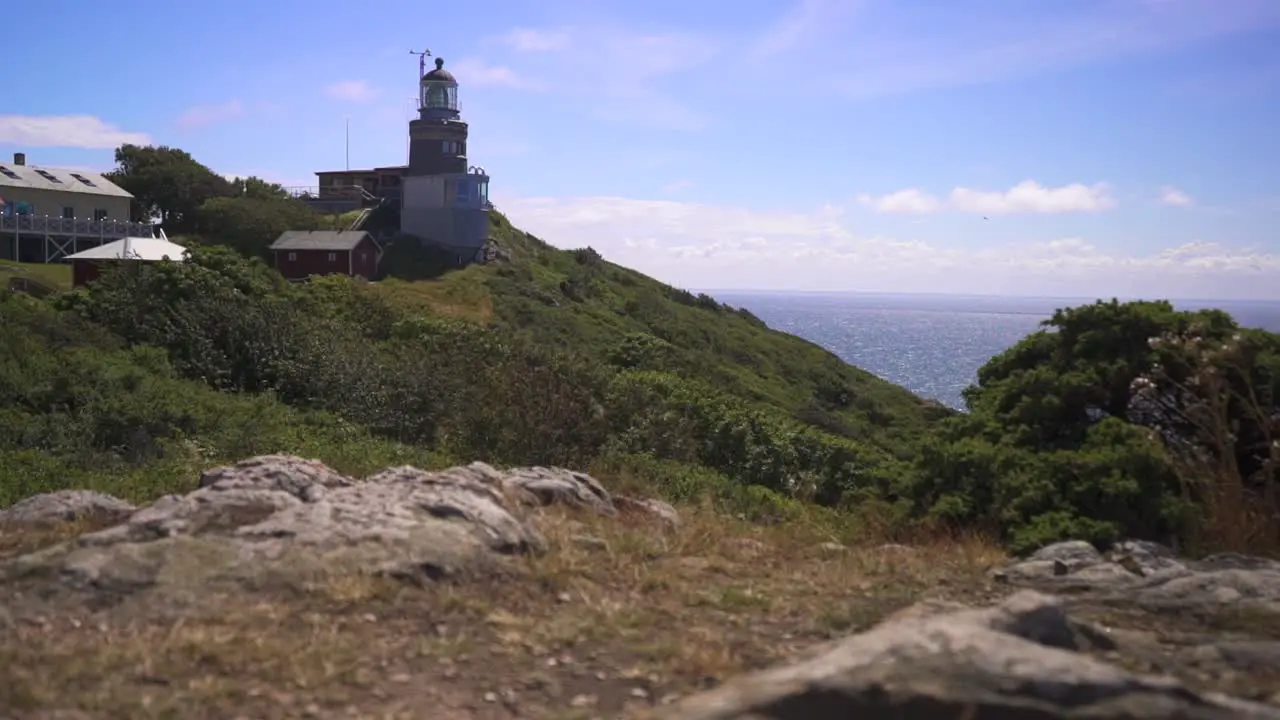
x: 83, y: 179
x: 68, y: 213
x: 99, y: 215
x: 47, y: 176
x: 464, y: 191
x: 333, y: 257
x: 364, y: 256
x: 9, y: 173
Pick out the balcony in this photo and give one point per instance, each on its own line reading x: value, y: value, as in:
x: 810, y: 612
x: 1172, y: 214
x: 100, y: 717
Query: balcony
x: 342, y: 198
x: 106, y: 229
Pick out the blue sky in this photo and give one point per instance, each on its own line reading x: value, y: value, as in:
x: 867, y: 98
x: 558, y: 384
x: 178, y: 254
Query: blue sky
x: 1089, y: 147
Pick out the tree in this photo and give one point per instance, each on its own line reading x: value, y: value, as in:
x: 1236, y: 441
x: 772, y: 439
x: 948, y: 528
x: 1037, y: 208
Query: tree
x: 259, y: 189
x: 224, y: 319
x: 166, y: 183
x: 1216, y: 403
x: 1084, y: 429
x: 250, y: 224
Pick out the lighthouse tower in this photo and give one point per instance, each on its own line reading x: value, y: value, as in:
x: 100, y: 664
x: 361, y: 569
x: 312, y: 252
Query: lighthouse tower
x: 445, y: 202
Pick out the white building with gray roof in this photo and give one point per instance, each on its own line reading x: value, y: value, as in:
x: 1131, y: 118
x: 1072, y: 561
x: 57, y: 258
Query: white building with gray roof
x: 47, y: 213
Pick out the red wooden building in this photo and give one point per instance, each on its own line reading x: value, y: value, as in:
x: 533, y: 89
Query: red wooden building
x: 299, y: 254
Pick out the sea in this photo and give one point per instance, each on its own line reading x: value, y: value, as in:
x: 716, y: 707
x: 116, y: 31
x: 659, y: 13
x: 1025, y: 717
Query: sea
x: 933, y: 345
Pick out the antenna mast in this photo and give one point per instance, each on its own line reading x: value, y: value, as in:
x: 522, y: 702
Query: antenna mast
x: 422, y: 61
x: 417, y: 101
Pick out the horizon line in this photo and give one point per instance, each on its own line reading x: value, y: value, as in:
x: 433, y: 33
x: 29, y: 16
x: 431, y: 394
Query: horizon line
x: 880, y: 293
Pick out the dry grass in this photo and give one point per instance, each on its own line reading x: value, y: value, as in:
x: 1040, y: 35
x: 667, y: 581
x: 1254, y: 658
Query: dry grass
x: 617, y: 616
x: 1225, y: 398
x: 450, y: 296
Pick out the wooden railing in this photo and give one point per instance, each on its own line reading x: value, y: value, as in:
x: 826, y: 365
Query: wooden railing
x: 106, y: 229
x: 332, y: 192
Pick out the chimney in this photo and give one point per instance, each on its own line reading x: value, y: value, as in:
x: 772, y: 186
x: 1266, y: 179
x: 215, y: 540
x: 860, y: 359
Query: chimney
x: 19, y: 159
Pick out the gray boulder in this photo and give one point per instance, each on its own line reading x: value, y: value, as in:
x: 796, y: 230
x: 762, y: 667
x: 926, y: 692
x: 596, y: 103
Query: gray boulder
x: 1021, y: 659
x: 1148, y: 576
x: 65, y: 506
x: 283, y: 518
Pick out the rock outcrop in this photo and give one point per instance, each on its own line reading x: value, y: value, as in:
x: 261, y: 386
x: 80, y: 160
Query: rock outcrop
x: 66, y: 506
x: 1134, y: 633
x: 1074, y: 633
x: 1148, y: 576
x: 1024, y: 658
x: 281, y: 517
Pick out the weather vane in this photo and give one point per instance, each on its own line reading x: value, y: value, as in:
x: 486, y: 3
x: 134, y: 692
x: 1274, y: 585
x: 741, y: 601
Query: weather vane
x: 422, y: 60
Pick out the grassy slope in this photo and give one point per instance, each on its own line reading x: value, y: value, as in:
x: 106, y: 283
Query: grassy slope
x: 57, y: 275
x: 729, y: 351
x: 732, y: 351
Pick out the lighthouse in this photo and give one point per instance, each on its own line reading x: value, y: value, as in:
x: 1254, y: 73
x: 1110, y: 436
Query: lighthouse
x: 445, y: 201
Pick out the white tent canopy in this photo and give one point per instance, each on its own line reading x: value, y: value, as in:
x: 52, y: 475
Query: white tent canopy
x: 134, y: 248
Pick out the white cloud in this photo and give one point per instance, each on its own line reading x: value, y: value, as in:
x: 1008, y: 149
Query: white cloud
x: 1025, y: 197
x: 800, y: 23
x: 473, y: 71
x: 536, y: 41
x: 676, y: 186
x: 711, y: 246
x: 1174, y: 197
x: 628, y: 76
x: 78, y: 131
x: 905, y: 202
x: 617, y: 73
x: 895, y: 50
x: 1031, y: 197
x: 358, y: 91
x: 209, y: 114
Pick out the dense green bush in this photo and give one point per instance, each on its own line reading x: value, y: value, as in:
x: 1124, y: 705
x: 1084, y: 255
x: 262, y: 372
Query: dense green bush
x: 1117, y: 420
x: 683, y: 420
x: 80, y: 409
x: 161, y: 345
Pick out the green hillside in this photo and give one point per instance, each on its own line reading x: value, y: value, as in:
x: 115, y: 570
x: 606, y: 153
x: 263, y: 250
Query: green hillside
x: 1116, y: 420
x: 578, y: 300
x: 545, y: 357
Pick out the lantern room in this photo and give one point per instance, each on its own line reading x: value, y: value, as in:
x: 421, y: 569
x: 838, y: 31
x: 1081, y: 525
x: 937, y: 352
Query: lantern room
x: 438, y: 94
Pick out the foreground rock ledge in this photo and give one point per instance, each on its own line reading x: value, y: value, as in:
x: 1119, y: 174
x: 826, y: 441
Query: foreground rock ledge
x: 1149, y: 576
x: 284, y: 517
x: 1018, y: 660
